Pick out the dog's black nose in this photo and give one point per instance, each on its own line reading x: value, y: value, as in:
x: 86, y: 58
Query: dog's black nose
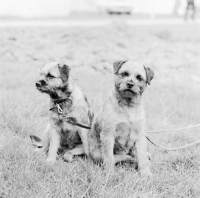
x: 38, y: 84
x: 129, y: 84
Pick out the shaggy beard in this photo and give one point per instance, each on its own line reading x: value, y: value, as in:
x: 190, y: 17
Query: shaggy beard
x: 52, y: 92
x: 127, y: 93
x: 128, y: 97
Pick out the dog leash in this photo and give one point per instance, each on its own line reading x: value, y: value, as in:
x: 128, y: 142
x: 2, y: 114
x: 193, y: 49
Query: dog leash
x: 73, y: 121
x: 173, y: 148
x: 70, y: 120
x: 175, y: 129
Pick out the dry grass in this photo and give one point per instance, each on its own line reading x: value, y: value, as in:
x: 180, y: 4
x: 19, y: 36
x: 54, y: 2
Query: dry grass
x: 171, y: 101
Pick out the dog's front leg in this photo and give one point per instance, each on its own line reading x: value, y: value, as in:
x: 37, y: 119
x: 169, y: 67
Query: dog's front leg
x: 142, y: 156
x: 107, y: 147
x: 83, y: 133
x: 54, y: 145
x: 42, y: 144
x: 45, y: 138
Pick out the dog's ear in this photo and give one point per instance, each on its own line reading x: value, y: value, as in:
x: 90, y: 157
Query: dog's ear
x: 149, y: 74
x: 117, y: 65
x: 64, y: 71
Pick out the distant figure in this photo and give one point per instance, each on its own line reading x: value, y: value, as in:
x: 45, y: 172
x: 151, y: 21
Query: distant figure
x: 176, y: 7
x: 190, y: 6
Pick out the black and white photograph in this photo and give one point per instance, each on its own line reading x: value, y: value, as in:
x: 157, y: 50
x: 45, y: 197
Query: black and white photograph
x: 100, y: 98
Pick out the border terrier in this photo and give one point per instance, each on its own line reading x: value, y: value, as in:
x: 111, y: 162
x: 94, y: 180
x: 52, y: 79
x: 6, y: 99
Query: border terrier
x: 70, y: 114
x: 118, y: 130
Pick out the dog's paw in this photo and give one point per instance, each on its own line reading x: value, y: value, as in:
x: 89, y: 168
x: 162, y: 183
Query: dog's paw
x: 51, y: 160
x: 68, y: 157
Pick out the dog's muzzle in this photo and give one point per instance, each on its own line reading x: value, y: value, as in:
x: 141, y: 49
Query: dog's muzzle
x: 40, y: 83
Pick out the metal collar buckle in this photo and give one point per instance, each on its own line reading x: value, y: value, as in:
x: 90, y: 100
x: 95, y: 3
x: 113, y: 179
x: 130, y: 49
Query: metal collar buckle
x: 59, y: 109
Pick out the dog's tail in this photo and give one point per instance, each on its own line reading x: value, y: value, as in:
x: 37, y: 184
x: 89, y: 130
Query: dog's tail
x: 36, y: 141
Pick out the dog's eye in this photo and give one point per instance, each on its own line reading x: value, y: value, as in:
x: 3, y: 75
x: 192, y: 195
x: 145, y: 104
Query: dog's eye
x: 139, y: 77
x: 50, y: 76
x: 124, y: 74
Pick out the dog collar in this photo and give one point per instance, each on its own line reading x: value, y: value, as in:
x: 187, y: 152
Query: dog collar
x: 70, y: 120
x: 57, y: 103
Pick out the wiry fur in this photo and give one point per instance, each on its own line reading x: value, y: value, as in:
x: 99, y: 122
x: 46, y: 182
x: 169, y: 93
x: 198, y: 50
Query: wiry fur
x: 56, y: 81
x: 117, y: 132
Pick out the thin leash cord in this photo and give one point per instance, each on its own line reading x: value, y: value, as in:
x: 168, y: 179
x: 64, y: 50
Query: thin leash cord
x: 158, y: 146
x: 170, y: 130
x: 167, y: 130
x: 177, y: 129
x: 177, y: 148
x: 67, y: 119
x: 173, y: 148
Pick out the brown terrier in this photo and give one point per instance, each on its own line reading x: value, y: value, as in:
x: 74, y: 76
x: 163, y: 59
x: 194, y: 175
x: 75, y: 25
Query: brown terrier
x: 118, y: 131
x: 70, y: 114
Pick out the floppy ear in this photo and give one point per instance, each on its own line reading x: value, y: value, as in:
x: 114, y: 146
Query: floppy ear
x: 149, y: 74
x: 64, y: 71
x: 117, y: 65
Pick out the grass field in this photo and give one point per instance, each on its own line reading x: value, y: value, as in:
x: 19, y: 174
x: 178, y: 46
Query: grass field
x: 172, y: 100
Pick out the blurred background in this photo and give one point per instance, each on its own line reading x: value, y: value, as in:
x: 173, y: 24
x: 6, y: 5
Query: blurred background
x: 67, y: 8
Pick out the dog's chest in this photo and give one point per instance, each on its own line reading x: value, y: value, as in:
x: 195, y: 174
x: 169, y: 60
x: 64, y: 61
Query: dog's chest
x: 128, y: 128
x: 69, y: 133
x: 131, y: 114
x: 59, y: 121
x: 129, y: 118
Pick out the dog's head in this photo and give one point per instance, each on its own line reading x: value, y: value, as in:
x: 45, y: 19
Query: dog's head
x: 54, y: 77
x: 131, y: 78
